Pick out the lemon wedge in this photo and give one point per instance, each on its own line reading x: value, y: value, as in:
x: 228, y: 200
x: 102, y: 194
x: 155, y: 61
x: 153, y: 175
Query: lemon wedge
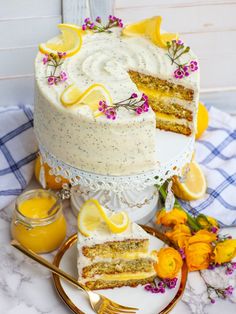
x: 150, y: 28
x: 90, y: 97
x: 92, y: 217
x: 194, y: 185
x: 70, y: 41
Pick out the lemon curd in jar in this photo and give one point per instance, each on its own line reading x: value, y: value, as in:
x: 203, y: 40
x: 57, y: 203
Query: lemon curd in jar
x: 34, y: 226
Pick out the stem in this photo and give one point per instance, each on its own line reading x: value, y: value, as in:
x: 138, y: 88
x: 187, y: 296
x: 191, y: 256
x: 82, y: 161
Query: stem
x: 193, y: 224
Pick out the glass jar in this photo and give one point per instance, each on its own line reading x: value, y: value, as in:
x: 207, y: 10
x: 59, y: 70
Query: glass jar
x: 34, y: 226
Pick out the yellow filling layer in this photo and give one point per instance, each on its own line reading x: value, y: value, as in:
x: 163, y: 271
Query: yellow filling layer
x: 165, y: 116
x: 126, y: 276
x: 153, y: 93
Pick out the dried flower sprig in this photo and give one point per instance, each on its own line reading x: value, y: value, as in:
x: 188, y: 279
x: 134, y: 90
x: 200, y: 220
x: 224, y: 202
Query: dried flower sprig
x: 217, y: 292
x: 55, y: 61
x: 230, y: 267
x: 132, y: 103
x: 98, y: 27
x: 160, y: 285
x: 176, y: 49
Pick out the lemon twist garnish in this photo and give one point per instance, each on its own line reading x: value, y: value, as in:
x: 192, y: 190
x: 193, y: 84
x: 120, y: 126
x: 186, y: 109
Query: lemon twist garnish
x: 193, y: 186
x: 93, y: 217
x: 72, y: 96
x: 152, y: 29
x: 70, y: 41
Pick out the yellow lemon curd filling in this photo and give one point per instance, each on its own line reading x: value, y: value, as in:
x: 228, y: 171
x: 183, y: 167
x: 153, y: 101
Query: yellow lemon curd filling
x: 36, y: 228
x: 126, y: 276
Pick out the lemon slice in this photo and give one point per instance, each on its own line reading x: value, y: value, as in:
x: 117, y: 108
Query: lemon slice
x: 194, y: 185
x: 93, y: 95
x: 118, y: 222
x: 90, y: 97
x: 70, y: 95
x: 152, y: 29
x: 135, y: 29
x: 69, y: 41
x: 93, y: 217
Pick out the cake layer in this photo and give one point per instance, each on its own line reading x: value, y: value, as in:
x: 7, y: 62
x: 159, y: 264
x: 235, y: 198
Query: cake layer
x: 106, y: 284
x: 162, y: 86
x: 118, y: 266
x: 171, y: 123
x: 171, y: 108
x: 113, y: 249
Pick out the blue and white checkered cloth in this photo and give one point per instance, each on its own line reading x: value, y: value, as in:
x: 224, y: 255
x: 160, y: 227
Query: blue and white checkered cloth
x: 216, y: 153
x: 17, y: 151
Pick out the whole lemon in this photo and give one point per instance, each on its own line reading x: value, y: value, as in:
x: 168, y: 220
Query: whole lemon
x: 51, y: 181
x: 202, y: 120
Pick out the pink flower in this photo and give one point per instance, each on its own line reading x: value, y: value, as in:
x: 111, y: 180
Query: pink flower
x: 134, y: 95
x: 92, y: 25
x: 98, y: 19
x: 233, y: 265
x: 179, y: 73
x: 45, y: 59
x: 111, y: 113
x: 229, y: 291
x: 139, y: 110
x: 87, y: 20
x: 144, y: 97
x: 102, y: 106
x: 193, y: 66
x: 52, y: 80
x: 61, y: 54
x: 186, y: 72
x: 84, y: 27
x: 111, y: 18
x: 180, y: 42
x: 63, y: 76
x: 145, y: 107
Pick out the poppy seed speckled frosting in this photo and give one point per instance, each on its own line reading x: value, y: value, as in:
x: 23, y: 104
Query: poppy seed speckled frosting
x: 126, y: 145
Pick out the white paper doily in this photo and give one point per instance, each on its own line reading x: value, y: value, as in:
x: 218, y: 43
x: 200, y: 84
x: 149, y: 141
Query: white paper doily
x: 173, y: 152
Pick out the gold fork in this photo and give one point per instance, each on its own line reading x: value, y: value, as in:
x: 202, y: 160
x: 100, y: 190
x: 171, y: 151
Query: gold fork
x: 99, y: 303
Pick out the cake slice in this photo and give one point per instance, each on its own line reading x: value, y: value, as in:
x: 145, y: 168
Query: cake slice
x: 108, y: 260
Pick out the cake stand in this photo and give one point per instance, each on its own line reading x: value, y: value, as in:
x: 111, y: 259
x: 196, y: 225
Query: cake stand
x: 136, y: 193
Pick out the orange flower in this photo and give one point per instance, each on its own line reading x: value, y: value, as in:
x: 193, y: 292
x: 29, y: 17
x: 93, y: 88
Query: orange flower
x: 169, y: 263
x: 199, y: 250
x: 198, y: 255
x: 173, y: 217
x: 225, y: 251
x: 179, y: 235
x: 203, y: 236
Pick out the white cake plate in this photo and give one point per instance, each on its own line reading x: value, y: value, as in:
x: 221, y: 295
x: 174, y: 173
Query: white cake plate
x: 135, y: 193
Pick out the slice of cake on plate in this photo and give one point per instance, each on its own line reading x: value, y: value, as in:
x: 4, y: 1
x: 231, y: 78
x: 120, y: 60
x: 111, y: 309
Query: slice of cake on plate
x: 112, y: 250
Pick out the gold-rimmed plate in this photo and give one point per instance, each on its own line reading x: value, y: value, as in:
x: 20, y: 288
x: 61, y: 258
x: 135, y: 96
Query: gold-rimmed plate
x: 147, y: 302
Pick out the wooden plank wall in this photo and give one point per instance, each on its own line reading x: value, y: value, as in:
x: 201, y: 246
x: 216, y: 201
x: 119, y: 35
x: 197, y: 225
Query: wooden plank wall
x: 23, y: 25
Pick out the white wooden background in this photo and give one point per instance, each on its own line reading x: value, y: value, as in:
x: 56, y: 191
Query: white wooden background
x: 208, y: 26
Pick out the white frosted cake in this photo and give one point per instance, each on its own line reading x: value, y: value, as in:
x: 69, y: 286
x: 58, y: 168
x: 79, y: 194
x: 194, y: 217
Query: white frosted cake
x: 125, y: 65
